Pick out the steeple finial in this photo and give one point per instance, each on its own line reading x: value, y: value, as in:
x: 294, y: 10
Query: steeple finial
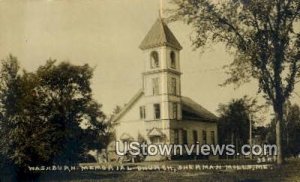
x: 161, y: 9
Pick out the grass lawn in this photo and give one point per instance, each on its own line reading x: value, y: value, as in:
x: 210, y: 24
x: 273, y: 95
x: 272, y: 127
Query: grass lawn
x: 289, y: 172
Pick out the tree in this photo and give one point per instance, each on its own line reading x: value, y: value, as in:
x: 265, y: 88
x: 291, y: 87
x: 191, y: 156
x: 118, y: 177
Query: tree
x: 116, y: 111
x: 291, y: 129
x: 233, y: 123
x: 68, y: 103
x: 10, y: 95
x: 43, y: 113
x: 112, y: 123
x: 234, y: 120
x: 262, y: 37
x: 262, y: 132
x: 291, y: 137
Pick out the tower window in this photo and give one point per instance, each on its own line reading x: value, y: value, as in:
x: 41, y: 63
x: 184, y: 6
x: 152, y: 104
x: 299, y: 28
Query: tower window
x: 142, y: 112
x: 173, y: 60
x: 155, y: 86
x: 154, y: 60
x: 156, y: 111
x: 173, y: 86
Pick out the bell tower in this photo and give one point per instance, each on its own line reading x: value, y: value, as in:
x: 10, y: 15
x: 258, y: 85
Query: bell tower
x: 161, y: 76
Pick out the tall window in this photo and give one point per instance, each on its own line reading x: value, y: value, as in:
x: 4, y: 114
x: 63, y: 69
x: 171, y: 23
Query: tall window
x: 174, y: 109
x: 156, y: 111
x: 155, y: 86
x: 212, y: 134
x: 176, y: 136
x: 195, y: 136
x: 173, y: 60
x: 142, y: 112
x: 204, y: 137
x: 184, y: 137
x: 173, y: 86
x: 154, y: 59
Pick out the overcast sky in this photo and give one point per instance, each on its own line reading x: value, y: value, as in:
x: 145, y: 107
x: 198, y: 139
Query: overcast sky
x: 106, y: 34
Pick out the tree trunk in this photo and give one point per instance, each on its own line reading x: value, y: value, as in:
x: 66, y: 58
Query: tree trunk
x: 279, y: 121
x: 279, y: 143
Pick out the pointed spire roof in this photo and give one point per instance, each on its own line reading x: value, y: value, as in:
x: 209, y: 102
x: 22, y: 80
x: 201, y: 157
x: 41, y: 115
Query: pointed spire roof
x: 160, y: 35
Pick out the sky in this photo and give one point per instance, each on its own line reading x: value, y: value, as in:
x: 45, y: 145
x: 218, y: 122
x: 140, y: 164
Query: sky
x: 106, y: 35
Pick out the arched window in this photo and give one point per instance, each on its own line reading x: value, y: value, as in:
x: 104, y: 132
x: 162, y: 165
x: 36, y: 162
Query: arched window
x: 154, y: 60
x: 173, y: 60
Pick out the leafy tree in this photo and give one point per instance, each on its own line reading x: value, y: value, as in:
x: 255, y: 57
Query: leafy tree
x: 234, y: 120
x: 261, y: 131
x: 112, y: 123
x: 291, y: 129
x: 291, y: 136
x: 261, y: 36
x: 271, y: 133
x: 10, y: 95
x: 68, y: 103
x: 116, y: 110
x: 233, y: 123
x: 42, y: 114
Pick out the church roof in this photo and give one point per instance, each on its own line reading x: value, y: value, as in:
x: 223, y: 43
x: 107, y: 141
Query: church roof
x: 160, y: 35
x: 194, y: 111
x: 190, y: 110
x: 128, y: 105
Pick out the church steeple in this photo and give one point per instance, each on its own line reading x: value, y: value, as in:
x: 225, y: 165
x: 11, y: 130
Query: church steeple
x: 160, y: 35
x: 161, y: 77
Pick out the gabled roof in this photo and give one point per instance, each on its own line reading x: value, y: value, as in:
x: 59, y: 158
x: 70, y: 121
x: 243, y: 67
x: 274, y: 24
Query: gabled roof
x: 194, y: 111
x: 155, y: 132
x: 129, y: 105
x: 160, y: 35
x: 190, y: 110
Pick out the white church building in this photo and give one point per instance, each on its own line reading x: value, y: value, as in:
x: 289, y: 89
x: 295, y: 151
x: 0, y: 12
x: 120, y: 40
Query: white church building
x: 158, y: 112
